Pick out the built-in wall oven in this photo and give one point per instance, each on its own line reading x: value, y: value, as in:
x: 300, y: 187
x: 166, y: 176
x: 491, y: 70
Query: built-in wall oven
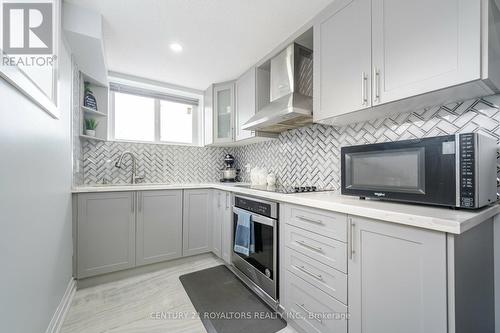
x: 259, y: 269
x: 453, y: 170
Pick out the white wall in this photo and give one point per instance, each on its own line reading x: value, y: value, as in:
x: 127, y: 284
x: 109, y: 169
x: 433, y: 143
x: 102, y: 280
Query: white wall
x: 35, y: 207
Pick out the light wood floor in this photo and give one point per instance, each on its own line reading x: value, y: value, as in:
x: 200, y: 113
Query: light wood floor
x: 126, y: 306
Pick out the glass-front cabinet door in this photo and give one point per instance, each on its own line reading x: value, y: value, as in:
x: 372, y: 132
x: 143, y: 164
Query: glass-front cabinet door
x: 224, y: 112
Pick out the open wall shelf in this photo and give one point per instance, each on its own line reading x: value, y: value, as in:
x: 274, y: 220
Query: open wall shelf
x: 91, y: 112
x: 101, y: 94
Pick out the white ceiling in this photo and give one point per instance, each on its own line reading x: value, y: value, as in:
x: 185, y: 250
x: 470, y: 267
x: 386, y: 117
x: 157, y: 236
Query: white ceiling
x: 221, y: 38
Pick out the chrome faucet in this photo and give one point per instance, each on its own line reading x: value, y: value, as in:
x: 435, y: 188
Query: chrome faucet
x: 118, y: 164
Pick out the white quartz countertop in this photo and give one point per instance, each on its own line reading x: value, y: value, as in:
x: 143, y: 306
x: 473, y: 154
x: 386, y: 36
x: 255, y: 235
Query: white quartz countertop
x: 428, y: 217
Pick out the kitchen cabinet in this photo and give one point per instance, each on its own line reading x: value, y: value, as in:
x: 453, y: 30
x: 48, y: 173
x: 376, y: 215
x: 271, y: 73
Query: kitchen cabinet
x: 252, y: 94
x: 223, y: 109
x: 105, y: 232
x: 397, y: 278
x: 197, y: 223
x: 229, y: 105
x: 121, y: 230
x: 399, y: 56
x: 159, y: 226
x: 412, y: 58
x: 222, y: 225
x: 313, y: 272
x: 227, y: 228
x: 208, y: 115
x: 218, y: 212
x: 342, y: 61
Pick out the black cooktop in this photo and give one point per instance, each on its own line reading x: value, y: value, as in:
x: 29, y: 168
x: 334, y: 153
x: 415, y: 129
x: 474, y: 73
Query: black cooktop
x: 286, y: 189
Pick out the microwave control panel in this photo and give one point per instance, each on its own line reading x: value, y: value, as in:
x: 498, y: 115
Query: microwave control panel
x: 467, y: 165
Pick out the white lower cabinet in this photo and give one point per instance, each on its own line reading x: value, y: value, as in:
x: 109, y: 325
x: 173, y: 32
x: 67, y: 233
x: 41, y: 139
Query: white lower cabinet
x: 159, y: 226
x: 384, y: 277
x: 217, y: 223
x: 121, y: 230
x: 314, y: 310
x: 222, y: 225
x: 397, y: 279
x: 197, y: 224
x: 105, y: 233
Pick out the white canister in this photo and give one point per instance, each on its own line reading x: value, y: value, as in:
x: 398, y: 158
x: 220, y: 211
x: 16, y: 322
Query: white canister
x: 254, y: 176
x: 271, y: 179
x: 262, y: 177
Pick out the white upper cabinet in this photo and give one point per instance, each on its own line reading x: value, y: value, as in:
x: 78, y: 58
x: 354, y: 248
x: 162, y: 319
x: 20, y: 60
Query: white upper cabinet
x: 342, y: 61
x: 223, y: 109
x: 379, y: 57
x: 252, y: 94
x: 422, y: 46
x: 208, y: 115
x: 245, y: 102
x: 228, y: 106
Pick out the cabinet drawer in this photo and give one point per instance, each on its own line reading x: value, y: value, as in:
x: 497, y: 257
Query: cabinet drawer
x: 328, y: 224
x: 324, y: 277
x: 326, y: 250
x: 313, y: 310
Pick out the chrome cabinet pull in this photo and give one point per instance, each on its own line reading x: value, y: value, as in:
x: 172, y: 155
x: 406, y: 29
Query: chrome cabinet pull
x: 364, y: 88
x: 308, y: 272
x: 312, y: 247
x: 227, y: 200
x: 377, y: 84
x: 303, y: 307
x: 133, y: 202
x: 351, y: 240
x: 139, y: 199
x: 218, y: 199
x: 309, y: 220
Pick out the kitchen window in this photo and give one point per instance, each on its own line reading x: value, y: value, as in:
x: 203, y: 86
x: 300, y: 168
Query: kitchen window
x: 142, y: 115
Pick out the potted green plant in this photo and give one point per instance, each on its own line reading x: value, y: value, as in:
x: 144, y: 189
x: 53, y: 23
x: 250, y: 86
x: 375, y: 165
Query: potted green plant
x: 90, y: 126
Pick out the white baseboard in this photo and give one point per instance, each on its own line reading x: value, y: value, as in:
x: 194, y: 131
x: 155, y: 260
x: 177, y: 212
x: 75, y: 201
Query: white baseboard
x: 61, y: 311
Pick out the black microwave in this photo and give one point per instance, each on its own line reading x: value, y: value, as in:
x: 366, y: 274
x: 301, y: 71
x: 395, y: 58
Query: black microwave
x: 453, y: 170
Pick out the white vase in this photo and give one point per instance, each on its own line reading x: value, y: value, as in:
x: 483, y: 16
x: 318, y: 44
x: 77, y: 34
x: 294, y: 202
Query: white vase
x: 90, y: 132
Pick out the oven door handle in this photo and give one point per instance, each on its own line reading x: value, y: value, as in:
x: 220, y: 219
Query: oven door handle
x: 256, y: 218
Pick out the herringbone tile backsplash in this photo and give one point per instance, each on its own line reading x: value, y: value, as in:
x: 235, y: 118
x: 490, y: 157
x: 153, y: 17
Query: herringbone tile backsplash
x: 308, y: 155
x: 157, y: 163
x: 311, y: 155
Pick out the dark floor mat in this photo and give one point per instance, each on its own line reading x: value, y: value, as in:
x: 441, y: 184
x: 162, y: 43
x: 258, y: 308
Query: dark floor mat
x: 225, y: 305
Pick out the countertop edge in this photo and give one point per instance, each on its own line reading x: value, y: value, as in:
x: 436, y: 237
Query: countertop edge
x: 420, y: 221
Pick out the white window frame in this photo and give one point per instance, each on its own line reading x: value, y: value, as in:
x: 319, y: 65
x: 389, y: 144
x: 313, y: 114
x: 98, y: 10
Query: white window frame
x: 155, y: 89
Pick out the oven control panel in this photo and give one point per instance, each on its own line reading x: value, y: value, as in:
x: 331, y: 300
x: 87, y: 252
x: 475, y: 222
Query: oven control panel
x: 467, y: 170
x: 257, y: 207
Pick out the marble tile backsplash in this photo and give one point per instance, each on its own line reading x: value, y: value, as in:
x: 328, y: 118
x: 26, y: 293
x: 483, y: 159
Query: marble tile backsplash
x: 308, y: 155
x: 311, y: 155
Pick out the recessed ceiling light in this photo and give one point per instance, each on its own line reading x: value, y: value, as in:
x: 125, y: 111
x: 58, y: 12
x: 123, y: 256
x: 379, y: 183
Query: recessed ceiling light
x: 176, y: 47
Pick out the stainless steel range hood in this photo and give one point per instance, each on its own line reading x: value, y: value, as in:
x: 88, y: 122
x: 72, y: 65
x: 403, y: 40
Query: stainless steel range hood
x: 291, y: 93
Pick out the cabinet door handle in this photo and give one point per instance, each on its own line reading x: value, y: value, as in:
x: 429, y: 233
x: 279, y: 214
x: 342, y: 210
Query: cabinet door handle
x: 303, y: 307
x: 308, y: 272
x: 351, y: 238
x: 218, y: 199
x: 227, y: 200
x: 307, y: 219
x: 133, y: 202
x: 364, y: 88
x: 312, y: 247
x: 377, y: 84
x: 139, y: 201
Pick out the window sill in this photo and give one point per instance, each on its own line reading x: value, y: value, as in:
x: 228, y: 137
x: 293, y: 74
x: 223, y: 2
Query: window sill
x: 156, y: 143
